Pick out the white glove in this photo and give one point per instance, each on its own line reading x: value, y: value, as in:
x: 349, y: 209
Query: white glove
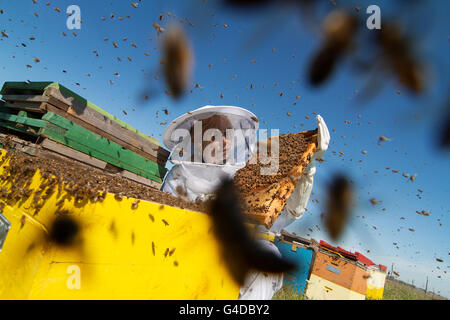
x: 323, y: 138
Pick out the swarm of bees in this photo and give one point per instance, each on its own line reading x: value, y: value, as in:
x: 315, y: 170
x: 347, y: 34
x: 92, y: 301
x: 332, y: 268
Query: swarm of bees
x: 340, y: 30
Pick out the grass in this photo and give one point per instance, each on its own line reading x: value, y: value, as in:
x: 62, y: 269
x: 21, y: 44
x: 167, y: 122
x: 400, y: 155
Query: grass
x: 393, y: 290
x: 288, y: 293
x: 398, y: 290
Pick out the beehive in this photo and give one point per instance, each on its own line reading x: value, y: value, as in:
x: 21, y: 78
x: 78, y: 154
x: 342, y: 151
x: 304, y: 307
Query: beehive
x: 57, y: 119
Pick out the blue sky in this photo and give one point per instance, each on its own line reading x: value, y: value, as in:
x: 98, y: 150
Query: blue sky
x: 282, y: 45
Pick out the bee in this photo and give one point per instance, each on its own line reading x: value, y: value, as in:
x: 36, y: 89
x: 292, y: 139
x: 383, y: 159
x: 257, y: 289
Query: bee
x: 4, y: 192
x: 48, y: 193
x: 247, y: 3
x: 151, y: 217
x: 165, y: 222
x: 171, y: 252
x: 158, y: 28
x: 166, y: 252
x: 64, y: 231
x: 340, y: 199
x: 22, y: 221
x: 153, y: 248
x: 444, y: 135
x: 180, y: 191
x: 37, y: 207
x: 134, y: 205
x: 102, y: 196
x: 340, y: 29
x: 80, y: 195
x: 30, y: 248
x: 178, y: 58
x: 397, y: 55
x: 113, y: 229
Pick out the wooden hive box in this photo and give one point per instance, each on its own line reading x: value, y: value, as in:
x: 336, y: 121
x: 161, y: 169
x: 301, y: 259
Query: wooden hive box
x: 40, y: 113
x: 42, y: 97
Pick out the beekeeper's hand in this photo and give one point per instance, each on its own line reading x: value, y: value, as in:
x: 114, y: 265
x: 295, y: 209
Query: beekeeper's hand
x: 323, y: 138
x: 296, y: 204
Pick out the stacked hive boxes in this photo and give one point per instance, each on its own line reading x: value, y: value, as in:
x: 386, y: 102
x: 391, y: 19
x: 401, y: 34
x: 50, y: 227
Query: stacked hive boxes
x: 338, y: 274
x: 325, y: 272
x: 57, y: 119
x: 335, y: 278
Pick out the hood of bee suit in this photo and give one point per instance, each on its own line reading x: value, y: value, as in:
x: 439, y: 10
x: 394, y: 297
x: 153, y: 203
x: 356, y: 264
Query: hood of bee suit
x: 198, y: 179
x: 176, y: 135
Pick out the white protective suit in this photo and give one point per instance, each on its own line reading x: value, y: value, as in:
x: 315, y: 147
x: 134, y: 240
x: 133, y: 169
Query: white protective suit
x: 196, y: 180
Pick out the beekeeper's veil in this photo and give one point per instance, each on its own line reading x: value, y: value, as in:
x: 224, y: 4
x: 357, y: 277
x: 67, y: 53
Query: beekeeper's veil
x: 191, y: 136
x: 208, y: 143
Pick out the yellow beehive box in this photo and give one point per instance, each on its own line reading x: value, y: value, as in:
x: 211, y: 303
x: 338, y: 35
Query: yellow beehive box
x: 149, y: 252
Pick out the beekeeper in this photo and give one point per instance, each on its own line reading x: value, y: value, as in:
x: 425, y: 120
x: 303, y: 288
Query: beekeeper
x: 214, y: 142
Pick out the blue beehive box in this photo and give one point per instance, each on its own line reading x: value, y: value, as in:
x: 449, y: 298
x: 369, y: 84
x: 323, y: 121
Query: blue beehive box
x: 300, y: 253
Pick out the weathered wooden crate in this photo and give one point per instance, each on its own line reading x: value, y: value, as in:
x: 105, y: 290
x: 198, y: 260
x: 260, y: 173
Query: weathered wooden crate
x: 42, y: 97
x: 66, y: 137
